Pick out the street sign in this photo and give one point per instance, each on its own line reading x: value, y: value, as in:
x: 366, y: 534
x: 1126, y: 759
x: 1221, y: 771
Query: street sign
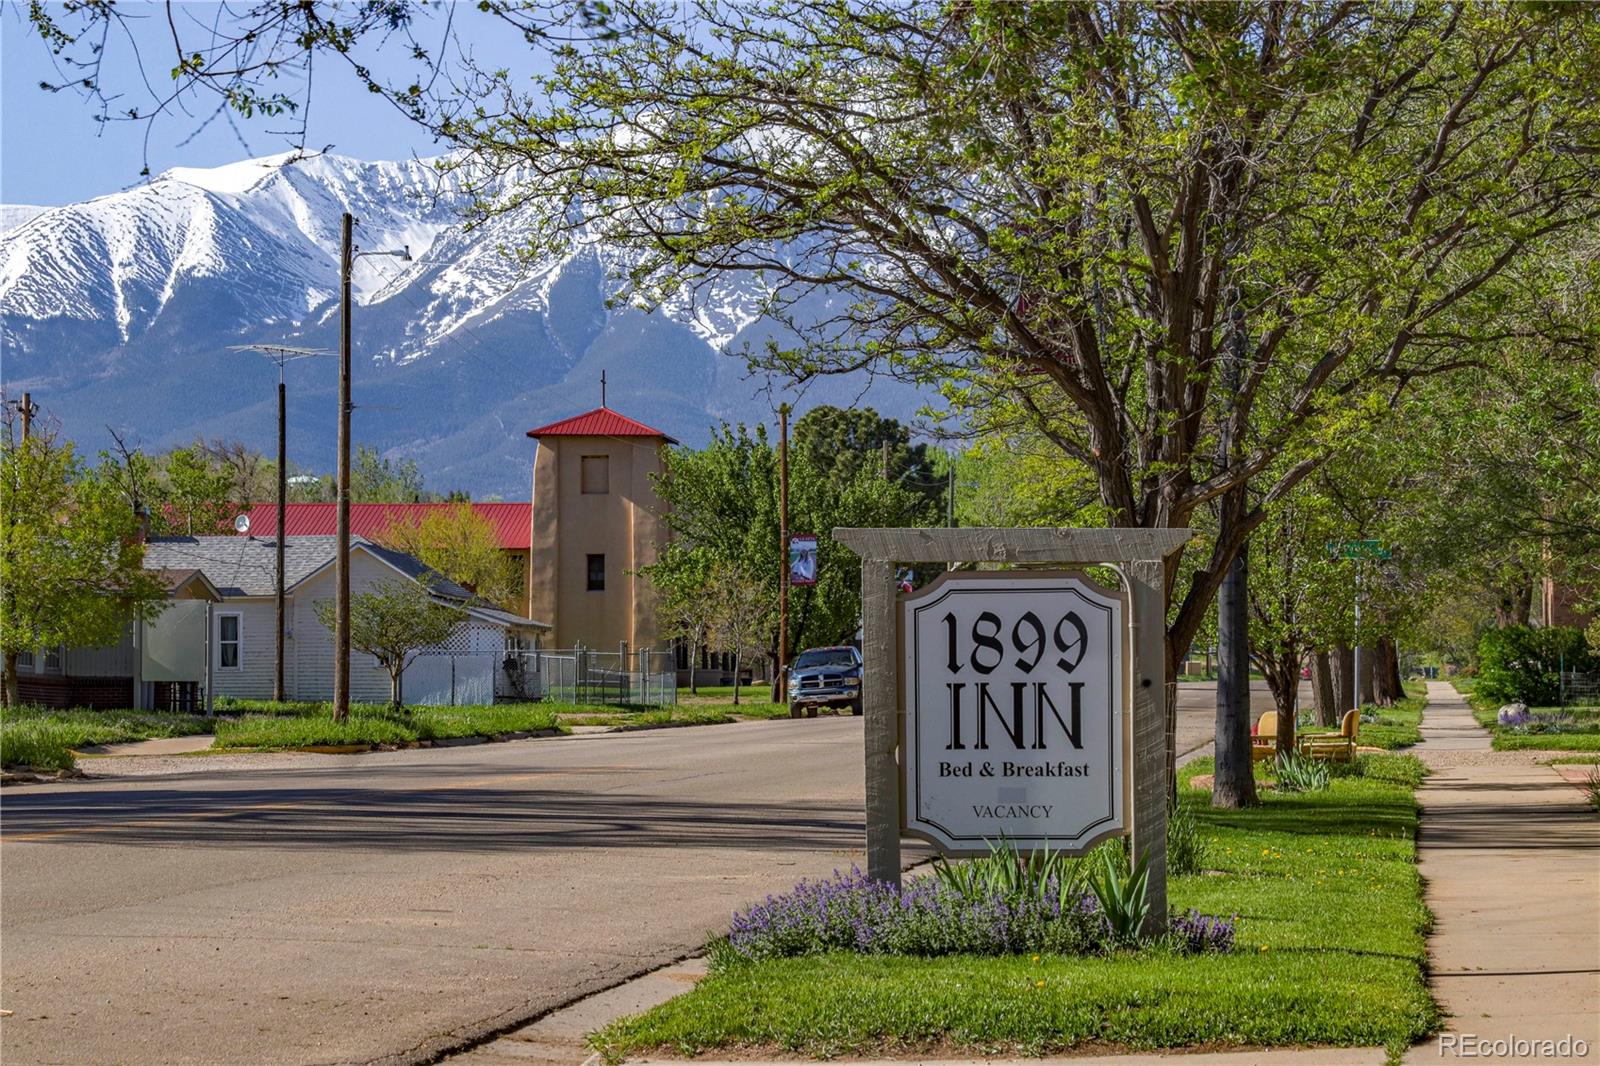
x: 1358, y: 549
x: 1015, y: 722
x: 802, y: 560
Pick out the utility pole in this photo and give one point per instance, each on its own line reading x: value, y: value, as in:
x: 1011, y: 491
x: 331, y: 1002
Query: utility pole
x: 782, y: 679
x: 280, y: 354
x: 27, y: 409
x: 341, y: 561
x: 1357, y: 640
x: 341, y: 626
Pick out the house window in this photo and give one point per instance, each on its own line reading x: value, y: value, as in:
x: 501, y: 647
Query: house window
x: 25, y: 660
x: 52, y: 661
x: 228, y: 641
x: 597, y: 573
x: 596, y: 473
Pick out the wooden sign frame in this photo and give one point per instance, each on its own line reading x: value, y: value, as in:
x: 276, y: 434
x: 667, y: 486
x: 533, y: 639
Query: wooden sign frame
x: 1138, y: 555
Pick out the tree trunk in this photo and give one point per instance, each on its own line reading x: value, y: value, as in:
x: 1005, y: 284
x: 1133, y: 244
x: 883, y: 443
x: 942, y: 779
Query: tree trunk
x: 1514, y: 605
x: 1282, y: 671
x: 1343, y: 661
x: 1322, y: 689
x: 1367, y: 673
x: 736, y: 679
x: 1394, y: 681
x: 694, y: 661
x: 9, y: 697
x: 1234, y: 783
x: 395, y: 701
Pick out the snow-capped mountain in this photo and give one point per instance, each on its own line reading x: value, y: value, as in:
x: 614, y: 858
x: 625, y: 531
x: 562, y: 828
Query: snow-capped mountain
x: 120, y: 312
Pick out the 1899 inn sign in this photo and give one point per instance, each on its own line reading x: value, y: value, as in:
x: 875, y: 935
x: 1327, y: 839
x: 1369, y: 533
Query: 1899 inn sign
x: 1014, y: 724
x: 1025, y: 704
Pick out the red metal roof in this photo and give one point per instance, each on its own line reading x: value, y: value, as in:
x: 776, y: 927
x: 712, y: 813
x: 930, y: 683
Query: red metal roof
x: 512, y: 521
x: 601, y: 422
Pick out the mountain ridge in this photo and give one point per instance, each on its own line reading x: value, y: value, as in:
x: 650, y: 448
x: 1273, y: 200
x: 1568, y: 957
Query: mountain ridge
x: 120, y: 311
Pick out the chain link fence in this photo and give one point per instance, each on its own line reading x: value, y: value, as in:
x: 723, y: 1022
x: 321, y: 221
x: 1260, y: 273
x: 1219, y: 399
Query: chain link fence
x: 1580, y: 689
x: 585, y: 675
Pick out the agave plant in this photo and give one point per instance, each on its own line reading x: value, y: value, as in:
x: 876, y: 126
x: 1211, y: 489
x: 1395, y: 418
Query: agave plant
x: 1009, y: 874
x: 1299, y: 774
x: 1123, y: 900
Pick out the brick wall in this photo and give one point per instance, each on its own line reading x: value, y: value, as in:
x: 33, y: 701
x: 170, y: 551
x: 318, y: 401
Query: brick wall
x: 100, y: 693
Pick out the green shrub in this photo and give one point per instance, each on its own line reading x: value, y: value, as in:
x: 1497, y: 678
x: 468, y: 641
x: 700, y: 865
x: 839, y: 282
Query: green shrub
x: 1296, y: 773
x: 1185, y: 848
x: 1124, y: 900
x: 38, y: 743
x: 1521, y: 664
x: 1006, y: 873
x: 1591, y: 788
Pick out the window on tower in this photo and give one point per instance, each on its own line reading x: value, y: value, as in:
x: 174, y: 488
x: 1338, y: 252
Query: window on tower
x: 597, y: 573
x: 595, y: 471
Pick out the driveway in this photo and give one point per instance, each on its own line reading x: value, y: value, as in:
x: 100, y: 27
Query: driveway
x: 384, y: 907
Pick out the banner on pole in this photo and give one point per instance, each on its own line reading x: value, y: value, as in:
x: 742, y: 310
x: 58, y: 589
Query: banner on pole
x: 803, y: 559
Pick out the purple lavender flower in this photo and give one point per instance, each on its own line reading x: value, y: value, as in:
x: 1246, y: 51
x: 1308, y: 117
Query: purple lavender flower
x: 1198, y: 933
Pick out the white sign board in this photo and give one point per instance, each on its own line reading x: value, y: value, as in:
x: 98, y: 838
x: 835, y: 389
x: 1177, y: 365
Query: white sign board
x: 1014, y: 712
x: 173, y: 647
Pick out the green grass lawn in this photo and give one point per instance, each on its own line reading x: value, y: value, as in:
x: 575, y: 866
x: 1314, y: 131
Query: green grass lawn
x: 1397, y: 727
x: 44, y: 737
x: 1330, y: 951
x: 378, y: 724
x: 1583, y: 735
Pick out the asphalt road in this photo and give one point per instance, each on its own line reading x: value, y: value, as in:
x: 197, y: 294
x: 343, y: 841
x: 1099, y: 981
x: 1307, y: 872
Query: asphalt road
x: 385, y: 907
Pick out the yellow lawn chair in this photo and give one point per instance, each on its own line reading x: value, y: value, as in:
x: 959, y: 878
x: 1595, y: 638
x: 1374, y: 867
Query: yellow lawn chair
x: 1334, y: 747
x: 1264, y: 741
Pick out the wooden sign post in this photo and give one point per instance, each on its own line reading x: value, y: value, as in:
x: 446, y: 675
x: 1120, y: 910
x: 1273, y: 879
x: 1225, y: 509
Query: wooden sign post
x: 1128, y: 798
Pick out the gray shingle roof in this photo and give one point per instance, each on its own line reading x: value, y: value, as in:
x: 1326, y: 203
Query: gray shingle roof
x: 247, y: 566
x: 240, y: 566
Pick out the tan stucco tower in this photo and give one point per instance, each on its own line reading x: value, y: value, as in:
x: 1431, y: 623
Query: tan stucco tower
x: 596, y: 520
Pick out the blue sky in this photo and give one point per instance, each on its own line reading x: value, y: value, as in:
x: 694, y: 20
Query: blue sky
x: 52, y: 151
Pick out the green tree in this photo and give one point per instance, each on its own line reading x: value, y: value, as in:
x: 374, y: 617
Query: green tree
x: 195, y: 497
x: 393, y: 621
x: 745, y: 618
x: 376, y: 479
x: 70, y: 561
x: 688, y: 609
x: 463, y: 546
x: 723, y: 502
x: 838, y: 444
x: 1076, y: 215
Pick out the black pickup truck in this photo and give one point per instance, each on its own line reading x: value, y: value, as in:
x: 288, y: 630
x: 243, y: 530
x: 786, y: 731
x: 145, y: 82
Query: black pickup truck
x: 821, y: 677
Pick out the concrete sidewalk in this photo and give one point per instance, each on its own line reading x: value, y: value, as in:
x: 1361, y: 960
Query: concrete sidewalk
x: 156, y: 746
x: 1511, y: 856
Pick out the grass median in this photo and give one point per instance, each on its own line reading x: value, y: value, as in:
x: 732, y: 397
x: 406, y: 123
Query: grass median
x: 314, y: 726
x: 1330, y: 951
x: 1399, y: 726
x: 1545, y: 729
x: 45, y: 737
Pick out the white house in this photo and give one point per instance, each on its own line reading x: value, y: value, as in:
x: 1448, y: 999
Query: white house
x: 465, y: 669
